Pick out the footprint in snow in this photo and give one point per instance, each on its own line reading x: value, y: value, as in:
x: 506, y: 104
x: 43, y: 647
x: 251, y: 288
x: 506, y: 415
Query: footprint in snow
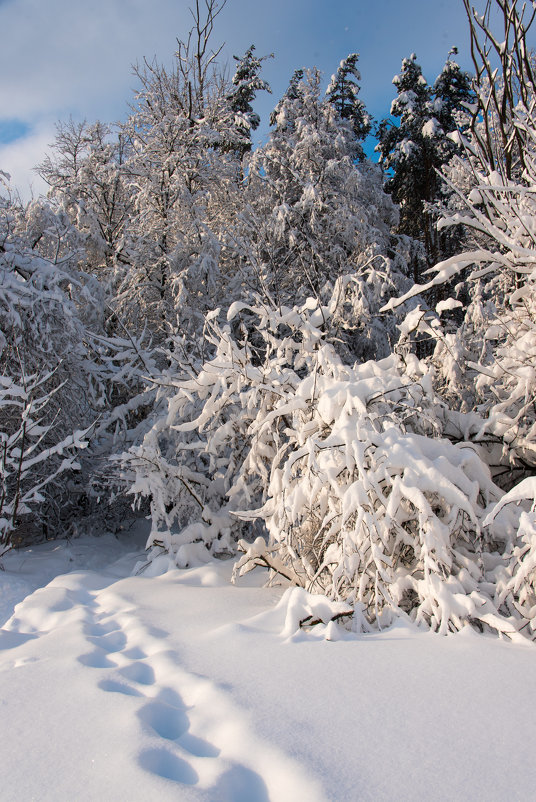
x: 97, y: 659
x: 101, y: 629
x: 139, y: 672
x: 166, y: 721
x: 168, y: 765
x: 177, y: 755
x: 112, y: 642
x: 241, y: 784
x: 166, y: 716
x: 113, y: 686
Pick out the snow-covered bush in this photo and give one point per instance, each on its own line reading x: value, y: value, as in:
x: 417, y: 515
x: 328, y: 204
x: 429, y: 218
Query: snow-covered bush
x: 200, y: 457
x: 370, y: 505
x: 484, y: 333
x: 27, y: 464
x: 69, y: 373
x: 196, y: 463
x: 345, y: 468
x: 516, y: 585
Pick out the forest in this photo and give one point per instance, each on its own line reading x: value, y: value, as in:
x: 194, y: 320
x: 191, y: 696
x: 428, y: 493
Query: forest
x: 293, y: 355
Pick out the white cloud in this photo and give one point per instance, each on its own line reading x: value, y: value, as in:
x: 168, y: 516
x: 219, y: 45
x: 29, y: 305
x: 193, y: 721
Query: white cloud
x: 65, y: 58
x: 20, y: 157
x: 78, y: 55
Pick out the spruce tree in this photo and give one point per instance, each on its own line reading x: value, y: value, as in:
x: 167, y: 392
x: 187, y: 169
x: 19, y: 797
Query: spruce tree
x: 279, y: 116
x: 414, y: 150
x: 246, y: 83
x: 406, y: 152
x: 452, y: 93
x: 343, y: 92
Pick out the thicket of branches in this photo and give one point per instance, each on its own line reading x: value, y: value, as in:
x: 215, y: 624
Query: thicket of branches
x: 247, y: 342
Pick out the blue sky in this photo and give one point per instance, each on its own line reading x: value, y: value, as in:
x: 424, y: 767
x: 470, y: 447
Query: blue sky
x: 72, y: 57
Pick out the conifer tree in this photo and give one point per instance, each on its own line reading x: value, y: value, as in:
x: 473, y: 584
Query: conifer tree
x: 246, y: 83
x: 406, y: 153
x: 294, y: 92
x: 414, y: 150
x: 452, y: 93
x: 343, y: 92
x: 314, y: 214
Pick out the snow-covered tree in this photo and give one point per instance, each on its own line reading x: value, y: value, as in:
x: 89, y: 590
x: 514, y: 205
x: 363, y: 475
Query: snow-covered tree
x: 293, y: 93
x: 404, y: 149
x: 44, y: 386
x: 85, y: 173
x: 314, y: 215
x: 343, y: 92
x: 246, y: 83
x: 62, y: 371
x: 183, y: 169
x: 452, y: 96
x: 412, y: 152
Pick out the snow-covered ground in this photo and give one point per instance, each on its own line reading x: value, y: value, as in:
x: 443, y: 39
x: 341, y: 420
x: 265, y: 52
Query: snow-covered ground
x: 116, y: 686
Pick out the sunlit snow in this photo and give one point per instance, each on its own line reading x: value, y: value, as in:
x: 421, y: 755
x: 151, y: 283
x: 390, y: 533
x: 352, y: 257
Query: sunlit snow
x: 183, y: 686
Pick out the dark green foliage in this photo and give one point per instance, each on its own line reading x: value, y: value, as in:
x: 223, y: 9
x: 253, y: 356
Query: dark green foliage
x: 413, y: 151
x: 343, y: 93
x: 246, y: 84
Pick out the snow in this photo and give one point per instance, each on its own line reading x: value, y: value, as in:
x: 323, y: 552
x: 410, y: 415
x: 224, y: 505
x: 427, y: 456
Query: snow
x: 448, y: 305
x: 526, y: 489
x: 184, y: 686
x: 431, y: 128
